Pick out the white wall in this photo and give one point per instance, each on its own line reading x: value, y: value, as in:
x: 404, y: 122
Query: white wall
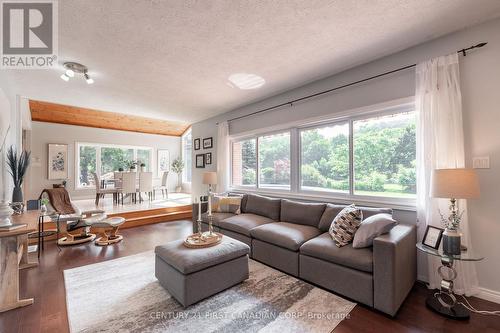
x: 45, y: 133
x: 480, y: 75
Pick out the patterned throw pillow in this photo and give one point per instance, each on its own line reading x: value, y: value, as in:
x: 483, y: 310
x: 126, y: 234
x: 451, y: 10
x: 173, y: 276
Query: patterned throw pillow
x: 345, y: 224
x: 223, y: 204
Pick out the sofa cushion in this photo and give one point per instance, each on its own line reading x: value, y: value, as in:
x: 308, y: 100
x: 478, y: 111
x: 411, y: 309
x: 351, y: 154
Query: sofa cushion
x: 301, y: 212
x: 333, y: 210
x: 216, y: 217
x: 323, y: 247
x: 288, y: 235
x: 264, y: 206
x: 243, y: 223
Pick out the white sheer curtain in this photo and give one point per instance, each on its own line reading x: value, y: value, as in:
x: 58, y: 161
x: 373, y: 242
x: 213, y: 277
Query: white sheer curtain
x: 440, y: 144
x: 223, y: 157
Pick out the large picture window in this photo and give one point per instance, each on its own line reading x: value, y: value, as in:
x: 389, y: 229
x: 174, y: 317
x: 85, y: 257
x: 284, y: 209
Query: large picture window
x: 325, y: 158
x: 274, y: 161
x: 105, y: 159
x: 385, y: 155
x: 244, y: 163
x: 372, y: 155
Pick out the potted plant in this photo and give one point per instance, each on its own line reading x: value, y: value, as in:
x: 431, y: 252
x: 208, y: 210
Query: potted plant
x: 143, y: 167
x: 43, y: 205
x: 120, y: 169
x: 132, y: 164
x: 177, y: 167
x: 17, y: 169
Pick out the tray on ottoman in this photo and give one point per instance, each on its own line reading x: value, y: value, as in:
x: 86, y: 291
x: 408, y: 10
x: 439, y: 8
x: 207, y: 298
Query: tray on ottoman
x: 191, y: 275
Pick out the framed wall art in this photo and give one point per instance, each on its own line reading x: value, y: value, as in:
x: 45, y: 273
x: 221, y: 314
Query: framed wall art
x: 208, y: 143
x: 57, y: 161
x: 200, y: 160
x: 208, y: 158
x: 197, y: 144
x: 163, y: 161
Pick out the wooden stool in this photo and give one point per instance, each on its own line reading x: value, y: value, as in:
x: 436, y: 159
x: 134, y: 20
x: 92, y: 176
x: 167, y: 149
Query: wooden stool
x: 107, y: 231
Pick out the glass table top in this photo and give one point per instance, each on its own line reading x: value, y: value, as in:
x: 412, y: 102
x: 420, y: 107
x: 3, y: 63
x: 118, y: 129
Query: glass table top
x: 464, y: 256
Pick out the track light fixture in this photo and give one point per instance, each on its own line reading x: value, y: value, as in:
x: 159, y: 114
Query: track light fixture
x: 74, y: 67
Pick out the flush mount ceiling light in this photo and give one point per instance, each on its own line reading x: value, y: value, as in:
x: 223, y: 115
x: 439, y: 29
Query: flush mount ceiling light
x: 74, y: 67
x: 246, y: 81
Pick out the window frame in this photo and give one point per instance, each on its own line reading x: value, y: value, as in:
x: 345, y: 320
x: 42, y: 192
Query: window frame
x: 189, y: 131
x: 98, y: 147
x: 295, y: 130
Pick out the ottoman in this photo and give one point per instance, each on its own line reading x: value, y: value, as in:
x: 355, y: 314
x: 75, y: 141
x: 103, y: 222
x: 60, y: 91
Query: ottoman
x: 191, y: 275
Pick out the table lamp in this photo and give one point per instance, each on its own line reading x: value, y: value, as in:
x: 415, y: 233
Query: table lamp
x: 453, y: 184
x: 210, y: 178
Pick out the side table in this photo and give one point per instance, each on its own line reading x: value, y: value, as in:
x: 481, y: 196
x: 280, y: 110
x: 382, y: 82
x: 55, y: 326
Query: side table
x: 40, y: 234
x: 444, y: 301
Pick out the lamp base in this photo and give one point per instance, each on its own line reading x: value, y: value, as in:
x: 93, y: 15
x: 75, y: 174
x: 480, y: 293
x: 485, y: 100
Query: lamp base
x: 458, y: 311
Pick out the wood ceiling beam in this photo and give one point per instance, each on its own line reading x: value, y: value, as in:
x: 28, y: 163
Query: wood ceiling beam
x: 72, y: 115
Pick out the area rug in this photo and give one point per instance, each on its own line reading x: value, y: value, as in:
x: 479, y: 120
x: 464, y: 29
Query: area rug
x: 123, y: 295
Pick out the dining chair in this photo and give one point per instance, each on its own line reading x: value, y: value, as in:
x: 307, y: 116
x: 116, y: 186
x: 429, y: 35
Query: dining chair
x: 164, y: 185
x: 117, y: 176
x: 146, y: 185
x: 129, y: 186
x: 101, y: 192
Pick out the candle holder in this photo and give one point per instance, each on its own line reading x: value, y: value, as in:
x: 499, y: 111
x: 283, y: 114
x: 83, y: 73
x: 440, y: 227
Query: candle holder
x: 199, y: 220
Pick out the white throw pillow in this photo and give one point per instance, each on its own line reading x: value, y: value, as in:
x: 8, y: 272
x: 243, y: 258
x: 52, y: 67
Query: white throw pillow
x: 371, y: 228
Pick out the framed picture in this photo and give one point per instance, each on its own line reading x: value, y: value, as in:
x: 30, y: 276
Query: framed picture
x: 163, y: 161
x: 197, y: 144
x: 208, y: 143
x: 200, y: 160
x: 432, y: 237
x: 57, y: 161
x: 208, y: 158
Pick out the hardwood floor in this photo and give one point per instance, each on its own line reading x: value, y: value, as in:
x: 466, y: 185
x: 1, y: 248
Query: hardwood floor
x: 45, y: 283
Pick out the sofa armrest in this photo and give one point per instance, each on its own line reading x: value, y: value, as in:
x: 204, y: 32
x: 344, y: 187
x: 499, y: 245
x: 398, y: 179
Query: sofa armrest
x: 394, y: 267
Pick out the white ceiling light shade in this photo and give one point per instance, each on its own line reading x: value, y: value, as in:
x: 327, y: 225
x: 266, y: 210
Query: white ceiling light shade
x: 246, y: 81
x: 73, y: 68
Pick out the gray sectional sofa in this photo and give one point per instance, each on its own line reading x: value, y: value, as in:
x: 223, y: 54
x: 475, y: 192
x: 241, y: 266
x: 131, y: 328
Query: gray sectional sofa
x: 293, y: 237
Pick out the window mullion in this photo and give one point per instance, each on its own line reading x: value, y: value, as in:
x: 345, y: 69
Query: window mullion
x: 294, y: 160
x: 257, y: 178
x: 351, y: 158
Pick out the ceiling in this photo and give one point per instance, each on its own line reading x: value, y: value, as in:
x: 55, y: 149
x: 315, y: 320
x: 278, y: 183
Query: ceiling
x: 170, y: 59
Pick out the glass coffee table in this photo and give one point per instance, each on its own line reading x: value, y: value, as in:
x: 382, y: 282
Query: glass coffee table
x: 444, y: 301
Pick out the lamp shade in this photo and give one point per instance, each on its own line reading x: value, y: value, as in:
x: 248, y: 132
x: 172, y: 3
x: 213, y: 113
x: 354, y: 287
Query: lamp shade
x: 210, y: 178
x: 454, y: 183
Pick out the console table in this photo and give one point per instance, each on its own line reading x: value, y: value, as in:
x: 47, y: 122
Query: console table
x: 444, y: 301
x: 13, y: 257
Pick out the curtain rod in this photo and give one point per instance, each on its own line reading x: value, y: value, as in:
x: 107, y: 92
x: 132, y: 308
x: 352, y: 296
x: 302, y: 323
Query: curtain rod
x: 290, y: 103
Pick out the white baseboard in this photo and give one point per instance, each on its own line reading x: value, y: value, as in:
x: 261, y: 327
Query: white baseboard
x: 489, y: 295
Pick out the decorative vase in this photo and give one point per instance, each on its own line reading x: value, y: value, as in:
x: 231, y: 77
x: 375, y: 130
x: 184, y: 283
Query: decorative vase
x: 43, y: 209
x: 17, y: 194
x: 143, y: 169
x: 5, y: 213
x: 451, y: 241
x: 178, y: 189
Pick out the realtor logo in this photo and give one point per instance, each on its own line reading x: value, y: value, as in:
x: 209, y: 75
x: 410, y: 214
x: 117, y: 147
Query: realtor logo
x: 29, y: 34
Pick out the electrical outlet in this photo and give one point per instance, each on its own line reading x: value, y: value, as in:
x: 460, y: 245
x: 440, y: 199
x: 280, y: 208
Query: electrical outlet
x: 481, y: 162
